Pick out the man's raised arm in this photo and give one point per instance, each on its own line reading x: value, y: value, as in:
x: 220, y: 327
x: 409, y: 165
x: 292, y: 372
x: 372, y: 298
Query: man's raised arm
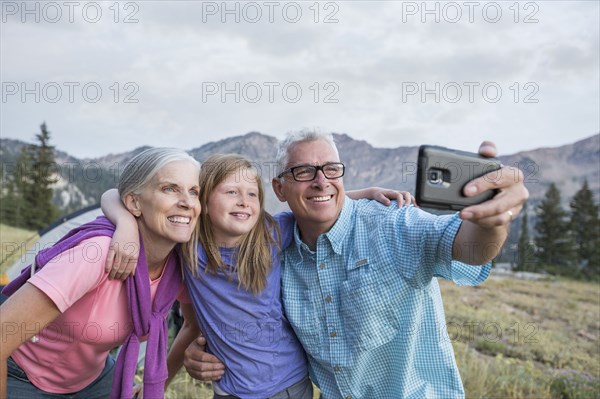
x: 485, y: 226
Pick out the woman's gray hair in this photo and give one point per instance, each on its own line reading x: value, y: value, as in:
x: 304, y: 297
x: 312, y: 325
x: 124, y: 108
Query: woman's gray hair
x: 293, y: 138
x: 142, y: 168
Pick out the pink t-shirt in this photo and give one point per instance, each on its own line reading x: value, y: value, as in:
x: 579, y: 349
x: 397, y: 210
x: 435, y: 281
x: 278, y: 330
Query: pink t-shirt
x: 70, y: 352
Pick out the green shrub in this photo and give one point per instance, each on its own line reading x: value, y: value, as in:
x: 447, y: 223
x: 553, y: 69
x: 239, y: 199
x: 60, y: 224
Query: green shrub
x: 573, y: 384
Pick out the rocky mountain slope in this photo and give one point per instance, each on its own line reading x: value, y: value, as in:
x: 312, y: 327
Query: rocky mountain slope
x: 80, y: 182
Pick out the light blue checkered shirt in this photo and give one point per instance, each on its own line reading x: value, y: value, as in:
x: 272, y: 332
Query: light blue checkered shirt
x: 366, y: 305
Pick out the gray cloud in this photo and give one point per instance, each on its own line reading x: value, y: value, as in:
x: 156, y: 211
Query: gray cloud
x: 366, y: 61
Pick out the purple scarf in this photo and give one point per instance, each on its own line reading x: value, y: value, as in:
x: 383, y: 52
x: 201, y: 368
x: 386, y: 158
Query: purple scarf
x: 148, y: 319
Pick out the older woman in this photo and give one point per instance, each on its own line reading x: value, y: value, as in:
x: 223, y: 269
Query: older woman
x: 60, y: 325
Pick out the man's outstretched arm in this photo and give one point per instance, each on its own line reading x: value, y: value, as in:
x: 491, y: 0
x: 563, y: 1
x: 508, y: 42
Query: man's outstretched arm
x: 485, y: 226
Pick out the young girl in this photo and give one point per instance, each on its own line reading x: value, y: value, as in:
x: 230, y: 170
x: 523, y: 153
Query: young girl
x: 234, y: 283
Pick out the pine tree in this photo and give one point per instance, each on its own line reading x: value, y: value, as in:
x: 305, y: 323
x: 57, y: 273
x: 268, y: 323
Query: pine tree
x: 585, y: 224
x: 26, y: 187
x: 31, y: 192
x: 526, y: 250
x: 10, y: 201
x: 17, y: 188
x: 554, y: 241
x: 44, y: 167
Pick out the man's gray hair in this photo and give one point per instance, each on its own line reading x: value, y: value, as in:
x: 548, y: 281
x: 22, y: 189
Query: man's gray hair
x: 142, y: 168
x: 294, y: 138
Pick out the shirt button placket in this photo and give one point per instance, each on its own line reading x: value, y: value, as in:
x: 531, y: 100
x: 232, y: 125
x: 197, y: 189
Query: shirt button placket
x: 338, y: 369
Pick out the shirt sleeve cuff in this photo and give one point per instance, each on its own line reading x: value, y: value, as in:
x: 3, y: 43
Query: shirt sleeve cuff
x: 447, y: 239
x: 458, y: 272
x: 52, y: 292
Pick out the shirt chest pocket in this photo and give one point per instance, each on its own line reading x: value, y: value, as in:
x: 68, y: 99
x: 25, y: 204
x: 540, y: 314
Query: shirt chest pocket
x: 369, y: 304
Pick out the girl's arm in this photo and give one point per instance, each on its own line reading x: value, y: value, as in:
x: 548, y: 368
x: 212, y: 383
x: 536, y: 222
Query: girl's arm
x: 189, y: 331
x: 125, y: 245
x: 24, y: 314
x: 383, y: 195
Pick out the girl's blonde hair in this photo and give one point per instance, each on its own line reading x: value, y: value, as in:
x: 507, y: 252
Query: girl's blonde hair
x: 253, y: 257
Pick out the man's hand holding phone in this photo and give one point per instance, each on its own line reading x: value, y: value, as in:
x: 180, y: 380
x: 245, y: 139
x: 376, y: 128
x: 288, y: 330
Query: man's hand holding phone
x: 484, y: 191
x: 510, y: 196
x: 488, y: 203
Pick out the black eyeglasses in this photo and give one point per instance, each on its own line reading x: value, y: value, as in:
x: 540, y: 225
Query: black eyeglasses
x: 331, y: 170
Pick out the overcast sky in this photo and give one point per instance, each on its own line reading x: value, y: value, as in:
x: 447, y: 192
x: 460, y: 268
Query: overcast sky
x: 108, y: 77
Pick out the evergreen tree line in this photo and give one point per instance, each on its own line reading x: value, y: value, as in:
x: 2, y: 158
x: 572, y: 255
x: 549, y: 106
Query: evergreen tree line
x: 567, y: 241
x: 26, y: 195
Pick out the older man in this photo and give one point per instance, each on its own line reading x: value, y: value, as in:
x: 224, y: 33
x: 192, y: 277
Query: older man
x: 359, y: 284
x: 359, y: 288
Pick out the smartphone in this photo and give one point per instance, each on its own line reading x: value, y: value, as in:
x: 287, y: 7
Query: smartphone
x: 442, y: 173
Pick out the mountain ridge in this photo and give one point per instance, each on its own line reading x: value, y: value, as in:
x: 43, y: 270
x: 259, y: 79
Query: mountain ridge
x: 81, y: 181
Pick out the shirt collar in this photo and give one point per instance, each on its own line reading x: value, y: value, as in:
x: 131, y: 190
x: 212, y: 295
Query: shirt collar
x: 338, y: 232
x: 335, y: 235
x: 225, y: 253
x: 300, y: 245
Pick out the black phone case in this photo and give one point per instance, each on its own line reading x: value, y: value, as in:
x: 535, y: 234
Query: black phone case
x: 442, y: 174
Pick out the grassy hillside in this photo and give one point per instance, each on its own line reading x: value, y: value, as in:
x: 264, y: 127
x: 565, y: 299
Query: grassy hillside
x: 526, y: 339
x: 512, y: 338
x: 14, y: 242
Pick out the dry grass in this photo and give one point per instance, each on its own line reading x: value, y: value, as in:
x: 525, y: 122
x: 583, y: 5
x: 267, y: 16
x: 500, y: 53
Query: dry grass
x: 513, y: 339
x: 13, y: 243
x: 526, y: 339
x: 184, y: 387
